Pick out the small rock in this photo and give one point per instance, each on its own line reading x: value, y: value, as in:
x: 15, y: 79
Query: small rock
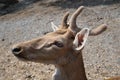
x: 45, y: 33
x: 3, y: 39
x: 28, y: 76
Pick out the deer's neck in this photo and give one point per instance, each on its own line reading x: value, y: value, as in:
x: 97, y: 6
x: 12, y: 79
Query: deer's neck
x: 74, y: 70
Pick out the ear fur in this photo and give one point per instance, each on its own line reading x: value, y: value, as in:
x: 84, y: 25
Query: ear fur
x: 54, y: 27
x: 81, y: 38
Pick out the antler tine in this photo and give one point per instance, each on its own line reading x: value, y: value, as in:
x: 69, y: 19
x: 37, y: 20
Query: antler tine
x: 73, y: 25
x: 98, y: 30
x: 64, y: 20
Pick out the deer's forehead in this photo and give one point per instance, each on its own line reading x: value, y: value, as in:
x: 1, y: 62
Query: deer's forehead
x: 57, y: 33
x: 53, y: 37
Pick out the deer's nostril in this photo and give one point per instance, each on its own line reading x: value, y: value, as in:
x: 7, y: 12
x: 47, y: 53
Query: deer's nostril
x: 17, y: 50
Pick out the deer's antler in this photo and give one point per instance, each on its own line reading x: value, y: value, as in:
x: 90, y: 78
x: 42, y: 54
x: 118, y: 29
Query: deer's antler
x: 64, y: 20
x: 73, y: 18
x: 98, y: 30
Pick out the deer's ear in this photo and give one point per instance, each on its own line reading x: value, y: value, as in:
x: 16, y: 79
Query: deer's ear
x: 54, y: 27
x: 81, y: 38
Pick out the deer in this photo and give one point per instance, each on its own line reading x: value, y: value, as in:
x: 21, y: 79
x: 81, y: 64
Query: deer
x: 62, y: 48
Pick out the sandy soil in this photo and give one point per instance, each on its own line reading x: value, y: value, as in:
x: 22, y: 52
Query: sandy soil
x: 30, y: 19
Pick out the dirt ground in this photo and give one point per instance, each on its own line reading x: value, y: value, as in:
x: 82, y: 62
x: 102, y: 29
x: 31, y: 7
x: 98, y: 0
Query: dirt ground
x: 30, y: 19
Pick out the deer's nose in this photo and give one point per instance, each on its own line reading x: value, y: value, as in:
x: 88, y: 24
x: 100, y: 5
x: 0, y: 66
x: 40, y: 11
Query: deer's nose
x: 17, y: 50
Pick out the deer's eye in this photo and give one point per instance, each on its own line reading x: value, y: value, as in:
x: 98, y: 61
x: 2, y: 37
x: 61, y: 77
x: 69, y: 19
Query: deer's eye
x: 58, y: 44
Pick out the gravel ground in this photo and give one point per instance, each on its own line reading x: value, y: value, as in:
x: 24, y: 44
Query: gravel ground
x: 30, y: 19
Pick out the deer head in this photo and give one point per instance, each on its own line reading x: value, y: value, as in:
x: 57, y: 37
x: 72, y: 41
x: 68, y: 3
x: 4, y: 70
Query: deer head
x: 54, y: 47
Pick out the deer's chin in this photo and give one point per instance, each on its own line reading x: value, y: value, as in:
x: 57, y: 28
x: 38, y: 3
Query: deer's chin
x: 44, y: 61
x: 21, y: 58
x: 28, y: 59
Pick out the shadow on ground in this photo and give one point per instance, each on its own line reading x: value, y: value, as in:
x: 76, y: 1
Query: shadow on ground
x: 57, y: 3
x: 17, y: 7
x: 77, y: 3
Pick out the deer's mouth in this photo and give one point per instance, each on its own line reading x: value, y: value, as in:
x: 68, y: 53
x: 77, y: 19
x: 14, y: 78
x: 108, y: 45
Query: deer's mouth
x: 21, y: 57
